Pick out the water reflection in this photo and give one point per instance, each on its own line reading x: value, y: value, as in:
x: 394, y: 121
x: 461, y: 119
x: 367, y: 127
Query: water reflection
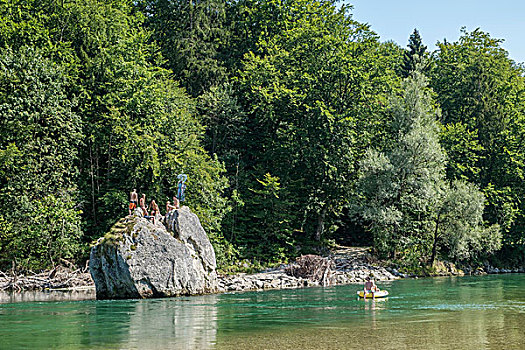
x: 178, y: 323
x: 372, y: 307
x: 181, y: 324
x: 460, y: 313
x: 32, y: 296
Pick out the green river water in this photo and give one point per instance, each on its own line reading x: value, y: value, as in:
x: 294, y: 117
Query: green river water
x: 485, y: 312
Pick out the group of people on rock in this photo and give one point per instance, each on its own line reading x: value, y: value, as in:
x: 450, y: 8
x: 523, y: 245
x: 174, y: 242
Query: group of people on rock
x: 151, y: 211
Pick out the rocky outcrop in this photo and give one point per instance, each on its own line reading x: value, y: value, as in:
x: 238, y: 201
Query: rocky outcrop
x: 139, y: 259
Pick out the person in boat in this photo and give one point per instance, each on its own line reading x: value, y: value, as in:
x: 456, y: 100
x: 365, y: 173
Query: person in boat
x: 370, y: 287
x: 133, y: 201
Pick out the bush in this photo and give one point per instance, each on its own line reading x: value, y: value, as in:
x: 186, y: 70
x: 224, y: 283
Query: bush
x: 50, y: 232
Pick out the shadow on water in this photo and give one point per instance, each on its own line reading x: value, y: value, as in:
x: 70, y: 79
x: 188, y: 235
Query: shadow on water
x: 440, y: 313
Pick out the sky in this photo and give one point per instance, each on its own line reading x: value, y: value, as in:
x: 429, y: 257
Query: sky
x: 439, y: 19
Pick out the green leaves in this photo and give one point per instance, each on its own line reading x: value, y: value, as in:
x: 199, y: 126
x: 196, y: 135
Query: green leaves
x: 280, y: 112
x: 481, y: 92
x: 266, y: 230
x: 412, y: 211
x: 85, y: 131
x: 39, y: 233
x: 305, y: 86
x: 398, y: 188
x: 191, y: 35
x: 38, y: 152
x: 460, y: 232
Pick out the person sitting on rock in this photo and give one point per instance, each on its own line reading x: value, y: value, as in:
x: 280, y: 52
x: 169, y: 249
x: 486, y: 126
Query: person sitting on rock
x: 176, y: 202
x: 133, y: 200
x: 370, y: 287
x: 174, y: 206
x: 154, y: 210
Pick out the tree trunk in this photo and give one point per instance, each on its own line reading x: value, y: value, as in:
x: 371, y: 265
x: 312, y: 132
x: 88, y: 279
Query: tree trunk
x: 92, y: 173
x: 320, y: 225
x: 434, y: 244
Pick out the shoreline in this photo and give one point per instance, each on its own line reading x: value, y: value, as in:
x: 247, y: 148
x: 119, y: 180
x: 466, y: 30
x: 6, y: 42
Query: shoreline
x: 349, y: 265
x: 238, y: 283
x: 60, y: 278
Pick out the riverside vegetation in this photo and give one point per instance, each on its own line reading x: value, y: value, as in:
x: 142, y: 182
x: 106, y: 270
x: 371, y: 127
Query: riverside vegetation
x: 296, y: 126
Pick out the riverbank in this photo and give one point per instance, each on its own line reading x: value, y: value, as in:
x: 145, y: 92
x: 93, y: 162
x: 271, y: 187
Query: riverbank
x: 59, y: 279
x: 348, y: 265
x: 351, y: 265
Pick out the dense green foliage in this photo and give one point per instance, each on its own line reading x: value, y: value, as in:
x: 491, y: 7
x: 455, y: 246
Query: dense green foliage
x: 296, y: 126
x: 399, y: 187
x: 304, y: 94
x: 191, y: 34
x: 39, y: 147
x: 413, y: 212
x: 87, y: 115
x: 481, y: 92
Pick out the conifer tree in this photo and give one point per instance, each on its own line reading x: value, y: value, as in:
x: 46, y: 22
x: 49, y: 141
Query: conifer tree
x: 415, y: 54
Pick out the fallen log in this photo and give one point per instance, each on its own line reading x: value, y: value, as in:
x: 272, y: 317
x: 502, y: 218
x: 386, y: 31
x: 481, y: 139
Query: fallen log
x: 58, y: 278
x: 312, y: 267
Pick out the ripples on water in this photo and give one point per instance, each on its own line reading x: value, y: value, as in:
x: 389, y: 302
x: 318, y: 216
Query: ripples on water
x: 441, y: 313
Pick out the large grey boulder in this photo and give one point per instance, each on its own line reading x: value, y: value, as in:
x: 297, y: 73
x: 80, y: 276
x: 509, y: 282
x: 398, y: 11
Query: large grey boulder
x: 139, y: 259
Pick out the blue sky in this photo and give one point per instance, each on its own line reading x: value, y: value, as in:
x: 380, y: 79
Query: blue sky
x: 439, y: 19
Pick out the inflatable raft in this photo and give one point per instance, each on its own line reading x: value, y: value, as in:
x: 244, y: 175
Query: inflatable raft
x: 380, y: 294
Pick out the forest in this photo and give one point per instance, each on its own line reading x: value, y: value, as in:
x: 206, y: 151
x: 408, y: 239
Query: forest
x: 297, y: 127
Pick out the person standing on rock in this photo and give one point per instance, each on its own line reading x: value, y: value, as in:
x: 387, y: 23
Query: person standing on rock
x: 181, y: 187
x: 133, y: 201
x: 142, y: 203
x: 154, y: 210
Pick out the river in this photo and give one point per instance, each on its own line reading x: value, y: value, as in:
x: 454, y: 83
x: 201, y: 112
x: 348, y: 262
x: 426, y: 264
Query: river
x: 478, y: 312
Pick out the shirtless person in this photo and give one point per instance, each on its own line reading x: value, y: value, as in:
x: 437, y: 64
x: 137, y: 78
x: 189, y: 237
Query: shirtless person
x: 154, y: 210
x: 175, y: 202
x: 133, y: 201
x: 370, y: 287
x: 142, y: 203
x: 172, y: 206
